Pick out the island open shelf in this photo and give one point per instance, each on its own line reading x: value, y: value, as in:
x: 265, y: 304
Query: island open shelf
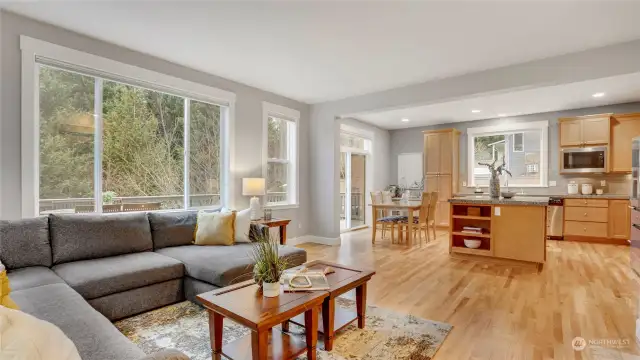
x: 511, y: 229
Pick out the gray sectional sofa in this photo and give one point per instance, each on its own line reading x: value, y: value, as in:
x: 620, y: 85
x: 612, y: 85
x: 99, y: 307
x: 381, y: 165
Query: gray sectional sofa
x: 80, y: 272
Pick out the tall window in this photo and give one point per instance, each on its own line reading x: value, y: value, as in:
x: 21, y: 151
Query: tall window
x: 281, y: 146
x: 524, y: 148
x: 110, y: 146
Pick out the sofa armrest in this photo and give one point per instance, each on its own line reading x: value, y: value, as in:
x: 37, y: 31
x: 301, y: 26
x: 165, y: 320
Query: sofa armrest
x: 169, y: 354
x: 257, y: 229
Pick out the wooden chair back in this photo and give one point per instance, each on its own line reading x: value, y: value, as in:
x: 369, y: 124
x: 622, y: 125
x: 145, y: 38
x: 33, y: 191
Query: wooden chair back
x: 433, y: 201
x: 423, y: 216
x: 142, y: 207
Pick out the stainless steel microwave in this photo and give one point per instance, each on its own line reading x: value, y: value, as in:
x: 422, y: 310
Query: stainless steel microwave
x: 584, y: 160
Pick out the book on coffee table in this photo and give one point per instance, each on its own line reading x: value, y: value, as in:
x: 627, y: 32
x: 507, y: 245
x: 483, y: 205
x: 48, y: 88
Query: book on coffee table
x: 304, y: 281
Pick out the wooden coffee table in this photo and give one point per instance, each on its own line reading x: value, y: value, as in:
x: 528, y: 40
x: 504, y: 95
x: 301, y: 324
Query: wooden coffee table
x: 244, y: 304
x: 335, y: 318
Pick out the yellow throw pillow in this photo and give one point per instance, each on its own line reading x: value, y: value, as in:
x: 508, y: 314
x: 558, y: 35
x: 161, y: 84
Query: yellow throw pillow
x: 5, y: 300
x: 215, y: 228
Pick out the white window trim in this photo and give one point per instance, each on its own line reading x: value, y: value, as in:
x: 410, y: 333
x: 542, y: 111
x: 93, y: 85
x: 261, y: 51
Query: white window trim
x: 281, y: 112
x: 30, y: 122
x: 543, y: 126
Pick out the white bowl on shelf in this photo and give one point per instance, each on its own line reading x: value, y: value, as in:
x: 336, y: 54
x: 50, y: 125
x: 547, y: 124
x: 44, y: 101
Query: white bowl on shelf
x: 472, y: 243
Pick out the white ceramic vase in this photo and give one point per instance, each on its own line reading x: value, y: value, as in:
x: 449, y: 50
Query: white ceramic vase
x: 270, y: 289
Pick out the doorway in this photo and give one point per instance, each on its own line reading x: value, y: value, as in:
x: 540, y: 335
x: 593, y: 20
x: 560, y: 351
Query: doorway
x: 353, y: 182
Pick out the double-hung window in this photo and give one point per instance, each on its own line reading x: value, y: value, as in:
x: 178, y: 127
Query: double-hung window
x: 100, y: 140
x: 523, y: 146
x: 280, y: 155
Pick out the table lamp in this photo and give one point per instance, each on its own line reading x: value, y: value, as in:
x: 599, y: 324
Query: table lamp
x: 253, y: 187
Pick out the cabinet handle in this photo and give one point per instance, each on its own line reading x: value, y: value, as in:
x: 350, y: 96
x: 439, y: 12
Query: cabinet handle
x: 585, y: 214
x: 585, y: 229
x: 585, y: 202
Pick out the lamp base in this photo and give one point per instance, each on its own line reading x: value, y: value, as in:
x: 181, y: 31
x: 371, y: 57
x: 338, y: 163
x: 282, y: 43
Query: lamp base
x: 254, y: 205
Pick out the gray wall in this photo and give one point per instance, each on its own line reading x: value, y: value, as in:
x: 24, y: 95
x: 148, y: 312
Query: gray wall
x: 411, y: 140
x: 248, y: 121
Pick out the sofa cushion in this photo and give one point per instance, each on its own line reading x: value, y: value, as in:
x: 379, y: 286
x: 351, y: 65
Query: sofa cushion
x: 225, y: 265
x: 25, y: 242
x: 88, y: 236
x: 31, y: 277
x: 173, y: 228
x: 104, y: 276
x: 94, y: 336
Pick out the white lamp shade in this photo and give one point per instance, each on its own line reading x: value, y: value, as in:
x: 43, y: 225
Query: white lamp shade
x: 253, y: 186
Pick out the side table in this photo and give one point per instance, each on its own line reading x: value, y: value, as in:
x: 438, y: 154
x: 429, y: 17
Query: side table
x: 279, y: 223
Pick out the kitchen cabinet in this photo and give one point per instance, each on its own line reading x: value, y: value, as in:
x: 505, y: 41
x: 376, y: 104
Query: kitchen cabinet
x: 619, y: 219
x: 519, y: 233
x: 585, y: 130
x: 597, y: 220
x: 624, y: 127
x: 441, y: 168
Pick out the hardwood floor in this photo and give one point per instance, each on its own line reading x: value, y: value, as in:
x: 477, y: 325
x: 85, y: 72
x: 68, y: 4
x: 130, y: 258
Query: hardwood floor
x: 505, y: 311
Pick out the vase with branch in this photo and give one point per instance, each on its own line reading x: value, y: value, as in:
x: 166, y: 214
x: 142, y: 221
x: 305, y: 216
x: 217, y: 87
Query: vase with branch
x: 494, y: 183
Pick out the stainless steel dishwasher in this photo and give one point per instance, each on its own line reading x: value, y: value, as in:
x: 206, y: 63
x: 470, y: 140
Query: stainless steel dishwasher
x: 555, y: 217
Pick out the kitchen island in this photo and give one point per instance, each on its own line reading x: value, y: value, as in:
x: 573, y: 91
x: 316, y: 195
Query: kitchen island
x: 509, y: 228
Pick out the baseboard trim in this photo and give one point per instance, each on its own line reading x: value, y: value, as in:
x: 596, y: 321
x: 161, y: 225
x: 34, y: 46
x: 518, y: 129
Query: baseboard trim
x: 314, y: 239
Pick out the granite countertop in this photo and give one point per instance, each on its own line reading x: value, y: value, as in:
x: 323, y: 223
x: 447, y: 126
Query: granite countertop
x: 564, y: 196
x: 516, y: 200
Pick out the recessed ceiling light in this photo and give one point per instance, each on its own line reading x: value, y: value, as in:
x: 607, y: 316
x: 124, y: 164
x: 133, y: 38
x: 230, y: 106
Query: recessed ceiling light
x: 502, y: 115
x: 475, y: 111
x: 596, y: 95
x: 405, y: 120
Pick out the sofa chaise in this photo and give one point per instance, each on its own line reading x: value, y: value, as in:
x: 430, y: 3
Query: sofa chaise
x: 80, y: 272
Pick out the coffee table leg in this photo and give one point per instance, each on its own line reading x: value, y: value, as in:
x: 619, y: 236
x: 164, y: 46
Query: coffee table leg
x: 328, y: 315
x: 285, y: 326
x: 361, y: 303
x: 311, y: 327
x: 215, y: 333
x: 259, y: 344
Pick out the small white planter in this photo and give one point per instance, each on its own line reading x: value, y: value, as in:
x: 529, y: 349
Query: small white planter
x: 270, y: 289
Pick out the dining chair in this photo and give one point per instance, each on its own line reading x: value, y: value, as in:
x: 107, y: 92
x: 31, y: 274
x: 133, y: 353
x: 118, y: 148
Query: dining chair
x: 422, y: 222
x: 383, y: 219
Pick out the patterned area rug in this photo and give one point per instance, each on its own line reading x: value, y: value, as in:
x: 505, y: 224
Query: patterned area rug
x: 387, y: 334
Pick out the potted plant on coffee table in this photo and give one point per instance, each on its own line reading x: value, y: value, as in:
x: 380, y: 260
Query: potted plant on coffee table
x: 268, y: 265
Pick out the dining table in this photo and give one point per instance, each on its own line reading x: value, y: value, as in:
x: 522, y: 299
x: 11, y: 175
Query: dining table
x: 403, y: 205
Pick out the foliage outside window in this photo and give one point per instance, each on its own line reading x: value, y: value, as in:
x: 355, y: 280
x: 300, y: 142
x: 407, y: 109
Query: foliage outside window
x: 280, y: 155
x: 524, y: 152
x: 143, y: 145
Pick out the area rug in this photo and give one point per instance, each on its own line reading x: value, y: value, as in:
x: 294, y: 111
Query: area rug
x: 387, y: 334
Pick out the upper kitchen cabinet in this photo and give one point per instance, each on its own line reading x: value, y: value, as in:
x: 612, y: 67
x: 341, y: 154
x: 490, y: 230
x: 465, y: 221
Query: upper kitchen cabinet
x: 624, y: 127
x: 585, y: 130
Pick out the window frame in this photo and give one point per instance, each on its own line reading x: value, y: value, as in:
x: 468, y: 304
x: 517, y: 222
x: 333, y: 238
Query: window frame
x: 542, y: 126
x: 293, y: 173
x: 117, y: 71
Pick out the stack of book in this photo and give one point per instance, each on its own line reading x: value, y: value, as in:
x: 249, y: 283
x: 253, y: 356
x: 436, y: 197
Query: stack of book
x: 471, y: 230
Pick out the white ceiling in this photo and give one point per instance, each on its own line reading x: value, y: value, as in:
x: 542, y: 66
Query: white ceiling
x: 316, y: 51
x: 617, y: 89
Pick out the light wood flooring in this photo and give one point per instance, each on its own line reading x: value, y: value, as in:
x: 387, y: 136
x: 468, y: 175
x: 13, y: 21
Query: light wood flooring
x: 504, y: 311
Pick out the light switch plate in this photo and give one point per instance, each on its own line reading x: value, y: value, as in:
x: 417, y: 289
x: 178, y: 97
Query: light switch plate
x: 497, y: 210
x: 552, y: 183
x: 603, y: 182
x: 464, y: 183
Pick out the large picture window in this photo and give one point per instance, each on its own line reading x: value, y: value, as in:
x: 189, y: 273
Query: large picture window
x: 104, y: 143
x: 523, y: 148
x: 281, y: 141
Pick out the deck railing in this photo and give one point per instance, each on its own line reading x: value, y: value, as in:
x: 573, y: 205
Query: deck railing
x: 357, y: 206
x: 167, y: 201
